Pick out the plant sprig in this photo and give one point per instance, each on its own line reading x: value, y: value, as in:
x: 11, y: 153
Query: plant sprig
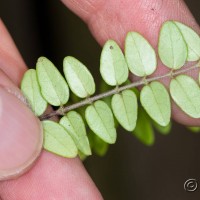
x: 177, y: 44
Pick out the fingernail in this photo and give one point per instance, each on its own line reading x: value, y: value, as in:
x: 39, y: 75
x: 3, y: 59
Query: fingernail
x: 20, y: 136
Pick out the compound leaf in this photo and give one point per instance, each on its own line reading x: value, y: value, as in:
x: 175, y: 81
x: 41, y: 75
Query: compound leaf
x: 74, y: 125
x: 100, y: 119
x: 140, y: 55
x: 113, y: 67
x: 186, y: 93
x: 172, y: 47
x: 192, y: 40
x: 53, y: 85
x: 57, y: 140
x: 78, y: 77
x: 31, y: 91
x: 144, y: 130
x: 124, y: 106
x: 156, y: 101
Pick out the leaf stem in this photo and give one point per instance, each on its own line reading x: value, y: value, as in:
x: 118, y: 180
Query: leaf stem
x: 116, y: 90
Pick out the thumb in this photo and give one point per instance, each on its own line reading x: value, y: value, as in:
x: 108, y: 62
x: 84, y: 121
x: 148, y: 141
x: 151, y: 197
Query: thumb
x: 20, y: 135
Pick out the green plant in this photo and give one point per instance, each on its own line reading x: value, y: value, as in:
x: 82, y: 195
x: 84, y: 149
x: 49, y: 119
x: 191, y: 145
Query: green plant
x: 45, y: 85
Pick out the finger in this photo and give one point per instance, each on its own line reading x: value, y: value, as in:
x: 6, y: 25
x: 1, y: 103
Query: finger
x: 11, y: 62
x: 114, y: 18
x: 20, y: 131
x: 52, y: 178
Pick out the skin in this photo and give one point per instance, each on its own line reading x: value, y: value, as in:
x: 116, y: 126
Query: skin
x: 53, y: 177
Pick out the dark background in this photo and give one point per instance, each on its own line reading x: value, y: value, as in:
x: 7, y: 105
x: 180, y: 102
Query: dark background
x: 130, y: 170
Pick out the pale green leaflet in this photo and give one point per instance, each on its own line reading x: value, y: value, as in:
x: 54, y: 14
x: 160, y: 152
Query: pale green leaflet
x: 186, y: 93
x: 172, y: 47
x: 124, y: 107
x: 58, y: 140
x: 31, y: 90
x: 100, y: 119
x: 192, y: 40
x: 78, y: 76
x: 140, y: 55
x: 53, y: 86
x: 155, y: 99
x: 113, y: 66
x: 74, y: 125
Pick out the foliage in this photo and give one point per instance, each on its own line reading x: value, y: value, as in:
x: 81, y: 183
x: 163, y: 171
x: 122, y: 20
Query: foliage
x: 137, y: 112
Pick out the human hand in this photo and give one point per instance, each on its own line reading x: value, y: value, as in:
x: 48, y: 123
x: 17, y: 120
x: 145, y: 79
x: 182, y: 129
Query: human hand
x: 106, y: 19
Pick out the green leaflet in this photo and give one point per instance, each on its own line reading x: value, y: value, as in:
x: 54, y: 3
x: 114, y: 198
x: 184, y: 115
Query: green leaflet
x: 186, y: 93
x: 113, y: 66
x: 100, y: 119
x: 155, y: 99
x: 74, y: 125
x: 172, y: 48
x: 53, y: 86
x: 144, y: 131
x: 124, y: 107
x: 194, y: 129
x: 78, y: 77
x: 31, y: 90
x: 98, y: 145
x: 192, y: 40
x: 57, y: 140
x: 164, y: 130
x: 140, y: 55
x: 82, y: 156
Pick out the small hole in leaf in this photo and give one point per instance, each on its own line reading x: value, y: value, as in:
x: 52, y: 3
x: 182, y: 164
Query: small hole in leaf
x: 111, y: 47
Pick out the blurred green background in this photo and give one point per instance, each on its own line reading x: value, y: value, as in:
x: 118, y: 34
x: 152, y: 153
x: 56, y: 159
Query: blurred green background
x: 130, y: 170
